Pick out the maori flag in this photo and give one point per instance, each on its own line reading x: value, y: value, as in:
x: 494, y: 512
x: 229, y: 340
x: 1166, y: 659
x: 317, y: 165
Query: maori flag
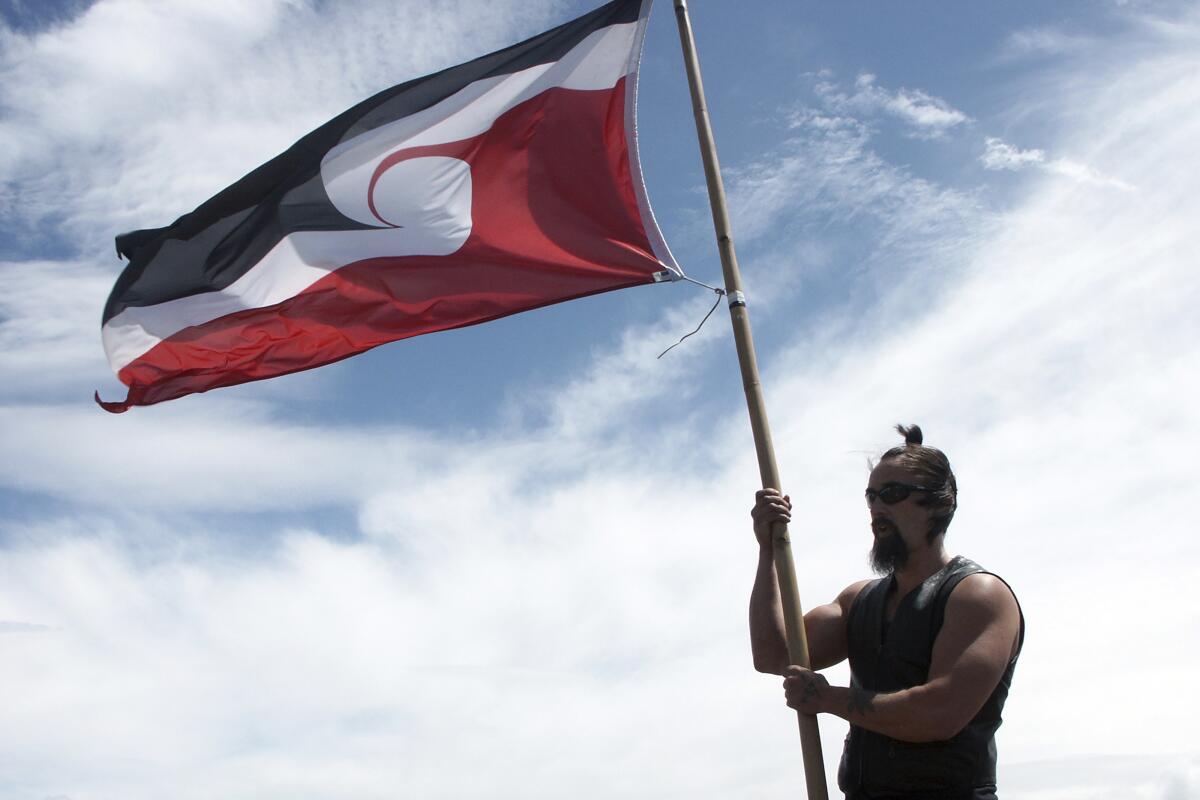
x: 493, y: 187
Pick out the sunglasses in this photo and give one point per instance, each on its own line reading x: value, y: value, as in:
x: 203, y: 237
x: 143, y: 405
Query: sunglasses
x: 893, y: 492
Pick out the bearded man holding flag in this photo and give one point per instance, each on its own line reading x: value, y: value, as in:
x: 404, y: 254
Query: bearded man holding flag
x: 932, y: 644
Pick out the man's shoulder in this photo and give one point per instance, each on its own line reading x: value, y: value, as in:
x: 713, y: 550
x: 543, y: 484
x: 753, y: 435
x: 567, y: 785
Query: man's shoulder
x: 850, y: 593
x: 984, y: 601
x: 979, y: 587
x: 982, y: 604
x: 982, y: 589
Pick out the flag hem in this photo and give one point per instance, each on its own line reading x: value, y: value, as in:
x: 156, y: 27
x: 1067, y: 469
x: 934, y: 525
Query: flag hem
x: 658, y: 243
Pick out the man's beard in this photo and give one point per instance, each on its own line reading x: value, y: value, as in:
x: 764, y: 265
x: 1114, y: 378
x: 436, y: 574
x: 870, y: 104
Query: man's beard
x: 888, y: 553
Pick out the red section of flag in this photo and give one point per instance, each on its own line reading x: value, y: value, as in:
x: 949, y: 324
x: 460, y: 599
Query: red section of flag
x: 554, y: 217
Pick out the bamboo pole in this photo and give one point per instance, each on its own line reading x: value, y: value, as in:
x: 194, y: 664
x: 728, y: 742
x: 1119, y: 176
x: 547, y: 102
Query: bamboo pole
x: 785, y: 570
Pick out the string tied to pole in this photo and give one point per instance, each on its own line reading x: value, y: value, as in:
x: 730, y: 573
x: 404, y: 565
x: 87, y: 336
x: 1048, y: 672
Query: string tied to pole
x: 716, y: 290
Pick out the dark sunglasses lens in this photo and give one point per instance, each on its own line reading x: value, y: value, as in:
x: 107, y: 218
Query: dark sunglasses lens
x: 894, y: 493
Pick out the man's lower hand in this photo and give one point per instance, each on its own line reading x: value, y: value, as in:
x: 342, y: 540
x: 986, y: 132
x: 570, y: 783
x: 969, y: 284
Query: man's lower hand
x: 806, y: 691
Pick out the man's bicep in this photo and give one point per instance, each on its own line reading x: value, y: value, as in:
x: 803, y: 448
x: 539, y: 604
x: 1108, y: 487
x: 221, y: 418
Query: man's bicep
x: 826, y: 629
x: 975, y: 644
x: 826, y: 632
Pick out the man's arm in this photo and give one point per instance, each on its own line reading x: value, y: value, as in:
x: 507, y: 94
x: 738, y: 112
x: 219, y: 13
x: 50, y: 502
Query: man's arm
x: 825, y: 625
x: 975, y: 645
x: 768, y: 642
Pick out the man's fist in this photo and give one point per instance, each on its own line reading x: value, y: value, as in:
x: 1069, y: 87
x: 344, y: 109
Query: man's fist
x: 769, y: 506
x: 806, y: 691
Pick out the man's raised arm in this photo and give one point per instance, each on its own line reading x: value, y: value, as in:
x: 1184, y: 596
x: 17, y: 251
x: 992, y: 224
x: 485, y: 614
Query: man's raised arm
x: 825, y: 625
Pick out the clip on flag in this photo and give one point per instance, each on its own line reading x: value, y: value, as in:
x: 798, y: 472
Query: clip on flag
x: 497, y: 186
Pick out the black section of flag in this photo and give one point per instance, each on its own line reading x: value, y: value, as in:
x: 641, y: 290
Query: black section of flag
x: 213, y: 246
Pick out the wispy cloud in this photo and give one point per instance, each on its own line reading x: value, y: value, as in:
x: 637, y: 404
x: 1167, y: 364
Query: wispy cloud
x: 1043, y: 42
x: 23, y: 627
x: 828, y: 172
x: 999, y: 155
x: 927, y: 116
x: 1159, y: 776
x: 49, y: 315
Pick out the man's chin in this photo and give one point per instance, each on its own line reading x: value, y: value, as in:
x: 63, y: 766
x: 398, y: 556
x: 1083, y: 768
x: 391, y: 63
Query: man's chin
x: 888, y: 553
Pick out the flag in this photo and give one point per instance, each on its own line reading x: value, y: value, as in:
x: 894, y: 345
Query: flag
x: 497, y: 186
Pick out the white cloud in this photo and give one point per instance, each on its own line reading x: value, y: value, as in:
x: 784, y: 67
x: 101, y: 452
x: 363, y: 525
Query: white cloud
x: 1086, y: 174
x: 827, y: 173
x: 999, y: 155
x: 928, y: 116
x: 326, y: 667
x: 1043, y: 42
x: 7, y: 626
x: 49, y: 322
x: 1165, y: 776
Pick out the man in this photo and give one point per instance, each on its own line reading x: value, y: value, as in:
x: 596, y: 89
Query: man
x: 932, y: 644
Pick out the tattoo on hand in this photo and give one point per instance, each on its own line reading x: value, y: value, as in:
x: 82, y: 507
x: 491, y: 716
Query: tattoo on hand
x: 811, y: 689
x: 862, y: 701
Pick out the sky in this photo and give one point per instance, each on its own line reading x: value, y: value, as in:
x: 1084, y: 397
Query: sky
x: 513, y: 560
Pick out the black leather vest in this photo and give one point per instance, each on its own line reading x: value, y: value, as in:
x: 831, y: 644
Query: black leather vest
x: 898, y: 658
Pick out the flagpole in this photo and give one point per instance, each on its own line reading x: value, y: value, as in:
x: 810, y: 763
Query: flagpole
x: 785, y: 569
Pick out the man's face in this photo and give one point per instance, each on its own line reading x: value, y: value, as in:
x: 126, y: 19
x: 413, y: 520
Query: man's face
x: 900, y: 527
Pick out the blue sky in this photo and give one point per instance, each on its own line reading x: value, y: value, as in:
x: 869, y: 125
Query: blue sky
x: 524, y: 546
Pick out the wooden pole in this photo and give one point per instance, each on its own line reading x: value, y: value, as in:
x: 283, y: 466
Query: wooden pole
x: 785, y: 570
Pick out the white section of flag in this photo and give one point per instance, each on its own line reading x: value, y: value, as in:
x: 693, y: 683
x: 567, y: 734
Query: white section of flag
x: 597, y: 62
x: 431, y: 198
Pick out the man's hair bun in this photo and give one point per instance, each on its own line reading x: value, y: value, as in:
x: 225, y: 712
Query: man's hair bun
x: 912, y: 434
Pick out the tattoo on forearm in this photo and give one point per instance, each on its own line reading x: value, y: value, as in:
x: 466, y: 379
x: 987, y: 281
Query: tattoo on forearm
x: 861, y: 701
